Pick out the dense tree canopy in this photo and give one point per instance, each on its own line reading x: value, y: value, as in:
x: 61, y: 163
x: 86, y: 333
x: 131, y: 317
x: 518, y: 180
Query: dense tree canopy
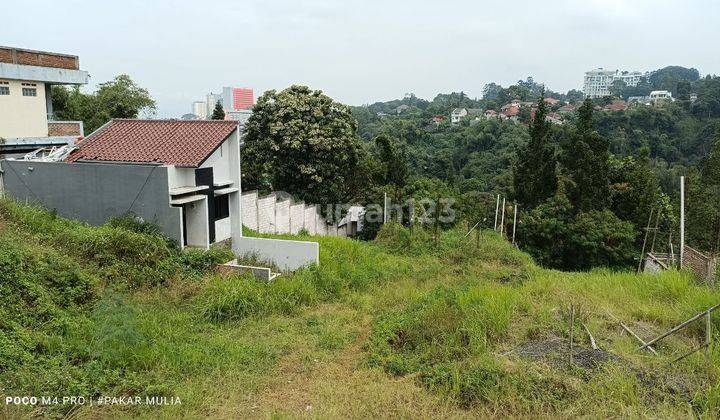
x: 301, y: 141
x: 119, y: 98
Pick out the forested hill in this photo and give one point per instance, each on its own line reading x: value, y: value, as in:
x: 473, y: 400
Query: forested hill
x: 649, y: 144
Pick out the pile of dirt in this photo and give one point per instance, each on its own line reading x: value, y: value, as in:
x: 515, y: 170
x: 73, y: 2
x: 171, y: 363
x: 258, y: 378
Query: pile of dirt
x: 556, y: 351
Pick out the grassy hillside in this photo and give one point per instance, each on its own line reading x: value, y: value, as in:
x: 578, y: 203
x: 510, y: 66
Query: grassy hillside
x: 398, y: 327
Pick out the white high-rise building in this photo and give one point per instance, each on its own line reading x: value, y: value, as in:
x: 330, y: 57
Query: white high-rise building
x: 199, y: 108
x: 211, y: 99
x: 597, y: 83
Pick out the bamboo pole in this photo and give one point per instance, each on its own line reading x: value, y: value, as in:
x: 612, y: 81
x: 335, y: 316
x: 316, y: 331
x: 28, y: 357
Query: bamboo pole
x: 679, y: 327
x: 682, y: 221
x: 655, y: 231
x: 572, y: 330
x: 593, y: 344
x: 514, y: 224
x: 502, y: 219
x: 626, y: 328
x: 497, y: 208
x: 647, y: 231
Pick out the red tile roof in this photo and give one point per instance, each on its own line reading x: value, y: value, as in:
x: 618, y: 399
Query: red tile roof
x: 511, y: 111
x: 168, y: 142
x: 616, y: 106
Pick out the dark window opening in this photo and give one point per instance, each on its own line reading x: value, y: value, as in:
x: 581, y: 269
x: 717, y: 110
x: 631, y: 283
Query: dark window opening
x: 222, y: 207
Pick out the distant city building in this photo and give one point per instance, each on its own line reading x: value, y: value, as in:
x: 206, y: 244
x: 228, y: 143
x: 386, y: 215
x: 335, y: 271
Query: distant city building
x: 240, y: 116
x: 190, y: 117
x: 597, y: 83
x: 236, y: 99
x: 199, y: 109
x: 211, y: 99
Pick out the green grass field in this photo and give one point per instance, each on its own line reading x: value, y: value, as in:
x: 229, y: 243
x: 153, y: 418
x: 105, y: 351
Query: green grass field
x: 399, y: 327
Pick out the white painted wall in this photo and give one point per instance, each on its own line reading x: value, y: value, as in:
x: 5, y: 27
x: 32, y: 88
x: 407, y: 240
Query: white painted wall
x: 225, y: 163
x: 219, y: 160
x: 180, y: 177
x: 23, y: 116
x: 222, y: 229
x: 197, y: 226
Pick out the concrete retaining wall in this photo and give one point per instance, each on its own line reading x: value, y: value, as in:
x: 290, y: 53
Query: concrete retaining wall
x: 285, y: 255
x: 268, y: 215
x: 282, y: 216
x: 249, y: 209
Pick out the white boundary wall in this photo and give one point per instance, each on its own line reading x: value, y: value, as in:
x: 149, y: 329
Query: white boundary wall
x: 249, y: 209
x: 282, y: 216
x: 297, y: 218
x: 268, y: 215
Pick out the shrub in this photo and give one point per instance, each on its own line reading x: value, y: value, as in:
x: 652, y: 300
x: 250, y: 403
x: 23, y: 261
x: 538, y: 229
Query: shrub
x: 556, y: 236
x: 199, y: 261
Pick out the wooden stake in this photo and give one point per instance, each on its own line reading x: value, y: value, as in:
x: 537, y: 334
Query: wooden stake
x: 682, y: 221
x: 704, y: 346
x: 572, y: 330
x: 647, y: 231
x: 708, y: 334
x: 626, y: 328
x: 679, y: 327
x: 514, y: 224
x: 592, y: 339
x: 502, y: 219
x: 655, y: 231
x: 497, y: 207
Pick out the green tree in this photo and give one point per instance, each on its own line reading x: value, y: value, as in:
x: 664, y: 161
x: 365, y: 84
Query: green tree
x: 703, y: 203
x: 303, y: 142
x: 393, y: 160
x: 118, y: 98
x: 586, y: 159
x: 218, y: 112
x: 534, y: 178
x: 556, y: 236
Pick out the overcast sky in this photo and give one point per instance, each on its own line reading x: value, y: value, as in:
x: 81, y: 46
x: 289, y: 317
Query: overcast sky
x: 363, y: 51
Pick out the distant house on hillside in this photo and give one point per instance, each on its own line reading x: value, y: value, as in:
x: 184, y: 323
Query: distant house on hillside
x: 511, y: 112
x: 438, y: 119
x: 616, y: 105
x: 457, y: 114
x: 402, y: 108
x: 641, y: 100
x: 566, y: 109
x: 551, y: 101
x: 490, y: 114
x: 659, y: 96
x: 554, y: 118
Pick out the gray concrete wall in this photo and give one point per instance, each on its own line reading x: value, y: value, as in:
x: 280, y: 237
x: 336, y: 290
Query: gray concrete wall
x: 94, y: 192
x: 284, y: 254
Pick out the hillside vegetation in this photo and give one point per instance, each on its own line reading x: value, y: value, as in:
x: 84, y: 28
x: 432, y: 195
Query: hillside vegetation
x: 401, y: 326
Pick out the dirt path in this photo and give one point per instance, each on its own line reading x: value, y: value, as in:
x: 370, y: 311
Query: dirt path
x: 341, y: 386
